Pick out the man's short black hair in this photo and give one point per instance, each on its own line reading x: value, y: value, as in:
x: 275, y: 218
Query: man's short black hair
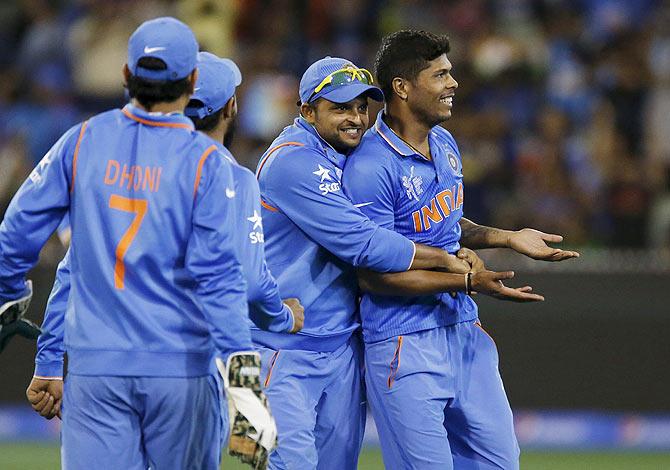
x: 207, y: 123
x: 404, y: 54
x: 150, y: 92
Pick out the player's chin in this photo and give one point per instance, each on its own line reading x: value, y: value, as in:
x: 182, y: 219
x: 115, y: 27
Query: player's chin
x: 351, y: 139
x: 445, y: 114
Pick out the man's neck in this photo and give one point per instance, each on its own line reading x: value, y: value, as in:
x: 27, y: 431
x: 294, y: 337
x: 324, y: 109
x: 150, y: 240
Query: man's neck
x: 217, y: 134
x: 408, y: 128
x: 165, y: 107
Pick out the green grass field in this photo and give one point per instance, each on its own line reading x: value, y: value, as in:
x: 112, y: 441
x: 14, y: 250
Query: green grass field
x: 28, y: 456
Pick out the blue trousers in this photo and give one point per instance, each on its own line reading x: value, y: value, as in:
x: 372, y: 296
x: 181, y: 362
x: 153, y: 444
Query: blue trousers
x: 318, y: 403
x: 438, y: 401
x: 140, y: 422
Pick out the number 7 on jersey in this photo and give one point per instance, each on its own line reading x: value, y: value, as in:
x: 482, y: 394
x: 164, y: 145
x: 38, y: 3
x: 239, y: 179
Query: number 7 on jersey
x: 139, y: 208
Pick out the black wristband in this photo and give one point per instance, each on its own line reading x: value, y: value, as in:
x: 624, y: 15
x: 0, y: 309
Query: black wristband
x: 468, y: 283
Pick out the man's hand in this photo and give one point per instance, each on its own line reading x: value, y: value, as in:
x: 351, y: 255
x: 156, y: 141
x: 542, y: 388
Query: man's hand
x: 454, y: 264
x: 45, y: 396
x: 298, y: 312
x: 533, y: 243
x: 253, y: 431
x: 475, y: 262
x: 490, y: 283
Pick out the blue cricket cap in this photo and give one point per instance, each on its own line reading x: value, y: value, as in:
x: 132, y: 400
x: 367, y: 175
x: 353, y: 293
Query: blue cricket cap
x: 320, y: 69
x: 167, y: 39
x: 217, y: 80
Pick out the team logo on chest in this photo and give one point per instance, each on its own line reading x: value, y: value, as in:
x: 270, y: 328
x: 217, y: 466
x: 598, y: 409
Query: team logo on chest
x: 439, y: 208
x: 413, y: 185
x: 453, y: 161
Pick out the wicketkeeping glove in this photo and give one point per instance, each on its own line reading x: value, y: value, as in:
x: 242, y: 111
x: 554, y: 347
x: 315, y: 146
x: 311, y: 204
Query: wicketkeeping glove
x: 12, y: 321
x: 253, y: 430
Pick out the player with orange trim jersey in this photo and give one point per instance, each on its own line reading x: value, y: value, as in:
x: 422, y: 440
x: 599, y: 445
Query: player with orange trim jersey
x: 431, y: 371
x: 157, y: 289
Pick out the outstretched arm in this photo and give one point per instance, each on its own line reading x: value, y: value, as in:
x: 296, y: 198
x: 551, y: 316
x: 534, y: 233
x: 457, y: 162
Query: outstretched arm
x: 527, y: 241
x: 421, y: 282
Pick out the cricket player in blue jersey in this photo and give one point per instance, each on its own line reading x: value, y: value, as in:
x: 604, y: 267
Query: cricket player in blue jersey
x: 431, y: 371
x: 213, y: 109
x: 314, y: 235
x: 156, y: 287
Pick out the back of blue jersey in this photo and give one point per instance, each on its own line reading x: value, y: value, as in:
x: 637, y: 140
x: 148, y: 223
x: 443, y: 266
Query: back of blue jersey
x: 153, y: 261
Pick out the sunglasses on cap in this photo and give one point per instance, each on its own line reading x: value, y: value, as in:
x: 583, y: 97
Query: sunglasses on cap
x: 342, y: 77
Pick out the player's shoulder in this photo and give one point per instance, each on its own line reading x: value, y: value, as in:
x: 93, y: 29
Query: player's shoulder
x: 291, y: 158
x: 369, y: 158
x: 445, y: 137
x: 371, y: 148
x: 203, y: 147
x: 245, y: 179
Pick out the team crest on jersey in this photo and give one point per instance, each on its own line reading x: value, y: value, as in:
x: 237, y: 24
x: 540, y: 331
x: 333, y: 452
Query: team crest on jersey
x: 453, y: 161
x: 413, y: 185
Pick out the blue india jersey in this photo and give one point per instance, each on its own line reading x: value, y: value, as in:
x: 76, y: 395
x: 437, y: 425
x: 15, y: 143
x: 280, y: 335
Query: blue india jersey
x: 314, y: 235
x: 422, y: 199
x: 156, y: 284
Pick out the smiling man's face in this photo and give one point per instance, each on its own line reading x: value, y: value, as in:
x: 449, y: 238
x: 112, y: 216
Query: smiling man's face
x: 430, y: 96
x: 340, y: 124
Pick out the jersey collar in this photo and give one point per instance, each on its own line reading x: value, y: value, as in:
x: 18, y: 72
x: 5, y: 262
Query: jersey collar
x: 175, y: 120
x: 393, y: 140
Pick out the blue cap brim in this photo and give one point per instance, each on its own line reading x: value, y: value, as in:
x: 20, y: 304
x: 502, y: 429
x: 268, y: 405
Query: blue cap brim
x: 346, y: 93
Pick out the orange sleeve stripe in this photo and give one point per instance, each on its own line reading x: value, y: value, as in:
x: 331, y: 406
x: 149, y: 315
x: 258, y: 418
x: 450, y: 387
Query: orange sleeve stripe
x: 201, y: 163
x: 268, y: 206
x: 273, y: 150
x: 181, y: 125
x: 395, y: 360
x: 273, y: 360
x: 76, y: 154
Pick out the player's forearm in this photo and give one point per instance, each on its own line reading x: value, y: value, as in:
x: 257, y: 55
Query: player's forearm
x: 429, y: 257
x: 475, y: 236
x: 410, y: 283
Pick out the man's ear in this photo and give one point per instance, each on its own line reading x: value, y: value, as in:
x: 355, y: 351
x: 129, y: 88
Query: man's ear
x: 126, y: 74
x: 230, y: 108
x: 308, y: 111
x: 400, y: 86
x: 193, y: 77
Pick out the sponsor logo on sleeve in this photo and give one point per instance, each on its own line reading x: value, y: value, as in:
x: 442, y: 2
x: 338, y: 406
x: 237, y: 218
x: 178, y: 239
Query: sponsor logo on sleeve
x: 256, y: 234
x: 328, y: 184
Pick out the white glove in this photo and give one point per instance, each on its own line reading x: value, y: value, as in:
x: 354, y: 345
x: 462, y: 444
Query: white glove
x: 253, y: 430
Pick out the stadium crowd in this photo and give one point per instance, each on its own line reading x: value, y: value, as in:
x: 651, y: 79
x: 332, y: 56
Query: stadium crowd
x: 561, y: 111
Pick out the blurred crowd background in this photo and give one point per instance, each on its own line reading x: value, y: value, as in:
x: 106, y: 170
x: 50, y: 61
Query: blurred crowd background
x: 563, y: 119
x: 561, y: 113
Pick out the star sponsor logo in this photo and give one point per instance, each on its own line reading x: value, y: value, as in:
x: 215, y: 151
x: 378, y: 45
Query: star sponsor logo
x: 256, y: 234
x: 256, y: 219
x: 327, y: 187
x: 323, y: 173
x: 230, y: 193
